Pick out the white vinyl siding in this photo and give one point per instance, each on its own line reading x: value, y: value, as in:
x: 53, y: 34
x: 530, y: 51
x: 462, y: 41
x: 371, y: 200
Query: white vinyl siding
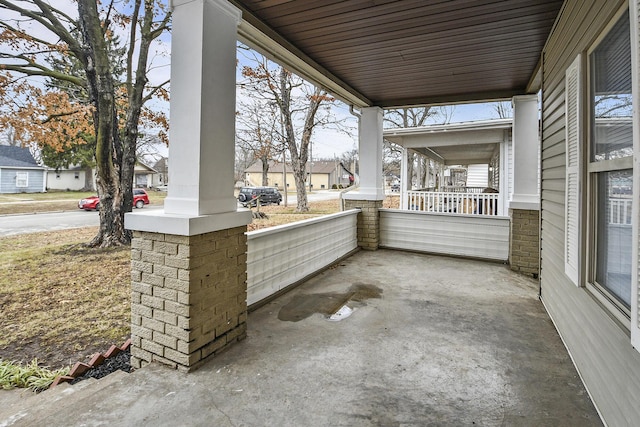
x: 572, y: 183
x: 600, y: 347
x: 478, y: 175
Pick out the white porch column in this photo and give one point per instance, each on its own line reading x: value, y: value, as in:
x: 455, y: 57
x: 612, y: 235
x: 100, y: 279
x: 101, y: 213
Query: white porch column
x: 370, y: 154
x: 189, y: 264
x: 368, y: 198
x: 505, y: 176
x: 526, y: 146
x: 404, y: 186
x: 201, y: 177
x: 524, y: 206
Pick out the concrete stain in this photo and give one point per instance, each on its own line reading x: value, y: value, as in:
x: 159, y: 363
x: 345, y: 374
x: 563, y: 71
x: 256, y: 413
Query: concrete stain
x: 302, y: 306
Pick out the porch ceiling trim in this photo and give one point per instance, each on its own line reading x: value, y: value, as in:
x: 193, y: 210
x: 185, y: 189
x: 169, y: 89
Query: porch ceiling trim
x: 258, y: 36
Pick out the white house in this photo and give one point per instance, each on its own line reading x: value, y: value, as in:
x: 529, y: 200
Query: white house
x: 76, y: 178
x: 19, y: 172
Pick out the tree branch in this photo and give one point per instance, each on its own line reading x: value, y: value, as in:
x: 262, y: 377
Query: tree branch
x: 47, y: 18
x: 39, y: 70
x: 154, y: 90
x: 132, y: 44
x: 58, y: 115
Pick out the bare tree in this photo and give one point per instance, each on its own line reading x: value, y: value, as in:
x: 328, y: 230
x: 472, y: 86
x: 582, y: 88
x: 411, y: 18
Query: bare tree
x: 257, y: 132
x: 406, y: 118
x: 302, y: 108
x: 503, y: 109
x: 113, y: 106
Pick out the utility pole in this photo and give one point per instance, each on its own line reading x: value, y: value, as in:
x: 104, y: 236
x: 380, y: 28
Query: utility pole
x: 284, y: 175
x: 310, y: 164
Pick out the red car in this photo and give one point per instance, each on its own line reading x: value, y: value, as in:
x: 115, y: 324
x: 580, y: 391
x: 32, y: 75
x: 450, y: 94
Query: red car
x: 140, y: 198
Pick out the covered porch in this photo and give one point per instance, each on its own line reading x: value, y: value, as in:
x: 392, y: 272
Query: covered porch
x: 430, y: 341
x: 191, y: 262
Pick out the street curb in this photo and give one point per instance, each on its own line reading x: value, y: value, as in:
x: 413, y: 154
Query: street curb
x: 34, y: 213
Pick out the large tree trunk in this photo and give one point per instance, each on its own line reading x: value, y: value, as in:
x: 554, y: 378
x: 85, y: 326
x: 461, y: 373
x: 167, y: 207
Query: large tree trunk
x: 88, y: 178
x: 265, y: 170
x: 298, y: 158
x: 101, y: 92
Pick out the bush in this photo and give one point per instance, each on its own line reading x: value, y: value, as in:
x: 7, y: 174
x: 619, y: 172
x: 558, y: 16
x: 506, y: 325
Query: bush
x: 334, y: 187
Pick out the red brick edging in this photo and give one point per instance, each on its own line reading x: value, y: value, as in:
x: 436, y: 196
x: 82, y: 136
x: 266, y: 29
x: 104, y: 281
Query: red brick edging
x: 98, y: 359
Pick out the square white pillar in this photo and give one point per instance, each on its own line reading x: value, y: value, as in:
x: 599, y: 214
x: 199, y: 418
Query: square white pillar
x: 505, y: 176
x: 526, y: 147
x: 370, y: 154
x: 203, y: 88
x: 202, y: 137
x: 404, y: 186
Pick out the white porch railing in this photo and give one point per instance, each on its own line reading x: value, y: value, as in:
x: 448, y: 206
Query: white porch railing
x: 283, y: 255
x: 620, y: 211
x: 485, y: 204
x: 455, y: 189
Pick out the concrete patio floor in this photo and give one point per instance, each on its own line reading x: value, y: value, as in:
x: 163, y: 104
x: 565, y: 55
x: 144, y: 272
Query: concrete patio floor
x: 432, y: 341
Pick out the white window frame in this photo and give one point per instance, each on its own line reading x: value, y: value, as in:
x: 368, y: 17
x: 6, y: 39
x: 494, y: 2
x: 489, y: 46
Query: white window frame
x: 22, y: 179
x: 634, y: 14
x: 616, y: 310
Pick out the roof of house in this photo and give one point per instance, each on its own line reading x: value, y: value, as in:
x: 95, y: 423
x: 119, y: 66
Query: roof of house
x: 141, y: 166
x: 161, y: 164
x: 317, y: 166
x: 16, y: 157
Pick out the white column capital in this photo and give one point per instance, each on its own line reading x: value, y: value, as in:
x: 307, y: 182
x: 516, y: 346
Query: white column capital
x: 524, y: 98
x: 224, y: 6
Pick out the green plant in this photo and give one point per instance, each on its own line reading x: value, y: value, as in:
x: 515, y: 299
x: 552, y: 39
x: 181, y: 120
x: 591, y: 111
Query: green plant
x: 29, y: 376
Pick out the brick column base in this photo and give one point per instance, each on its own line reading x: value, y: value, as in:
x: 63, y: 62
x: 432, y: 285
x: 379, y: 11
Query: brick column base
x: 189, y: 296
x: 368, y: 222
x: 524, y: 245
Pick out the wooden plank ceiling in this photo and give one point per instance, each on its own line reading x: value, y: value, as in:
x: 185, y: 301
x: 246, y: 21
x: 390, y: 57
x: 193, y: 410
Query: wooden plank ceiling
x: 407, y: 52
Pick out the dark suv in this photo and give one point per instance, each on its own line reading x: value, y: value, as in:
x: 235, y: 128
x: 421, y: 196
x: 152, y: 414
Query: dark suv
x: 249, y: 195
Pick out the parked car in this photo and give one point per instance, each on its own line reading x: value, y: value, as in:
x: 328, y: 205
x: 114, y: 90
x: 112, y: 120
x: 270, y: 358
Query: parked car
x: 140, y: 198
x: 249, y: 196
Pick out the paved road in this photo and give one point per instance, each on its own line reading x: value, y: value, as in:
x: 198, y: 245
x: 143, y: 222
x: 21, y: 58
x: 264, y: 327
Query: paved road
x: 32, y: 223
